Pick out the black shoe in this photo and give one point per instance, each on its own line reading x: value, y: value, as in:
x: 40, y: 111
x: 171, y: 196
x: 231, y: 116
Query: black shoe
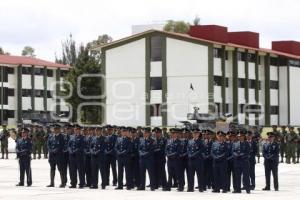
x: 248, y: 191
x: 276, y: 189
x: 180, y: 189
x: 166, y: 189
x: 224, y: 191
x: 216, y: 191
x: 20, y: 184
x: 243, y: 188
x: 118, y: 188
x: 201, y: 190
x: 81, y: 186
x: 141, y: 189
x: 128, y: 188
x: 236, y: 192
x: 252, y: 187
x: 103, y: 187
x: 152, y: 189
x: 51, y: 185
x: 266, y: 189
x: 72, y: 186
x: 62, y: 186
x: 190, y: 190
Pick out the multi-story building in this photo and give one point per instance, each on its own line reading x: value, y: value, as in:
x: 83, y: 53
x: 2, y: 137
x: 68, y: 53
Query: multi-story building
x: 27, y: 88
x: 156, y: 77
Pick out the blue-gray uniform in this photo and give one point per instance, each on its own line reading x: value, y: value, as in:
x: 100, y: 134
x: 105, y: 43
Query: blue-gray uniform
x: 55, y: 147
x: 76, y: 158
x: 123, y: 150
x: 240, y: 153
x: 183, y: 158
x: 97, y: 149
x: 172, y: 153
x: 271, y: 155
x: 230, y: 168
x: 110, y: 141
x: 23, y: 150
x: 252, y: 161
x: 160, y: 162
x: 195, y: 151
x: 87, y: 166
x: 146, y: 153
x: 208, y: 175
x: 219, y: 152
x: 135, y: 169
x: 66, y: 157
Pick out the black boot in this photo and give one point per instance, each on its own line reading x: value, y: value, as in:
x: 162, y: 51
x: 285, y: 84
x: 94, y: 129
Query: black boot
x: 62, y: 178
x: 52, y: 175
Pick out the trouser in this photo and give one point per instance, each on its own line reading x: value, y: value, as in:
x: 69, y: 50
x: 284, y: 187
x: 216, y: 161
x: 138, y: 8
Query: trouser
x: 124, y: 163
x: 135, y: 171
x: 175, y: 170
x: 230, y: 176
x: 111, y: 162
x: 45, y: 150
x: 4, y: 150
x: 37, y: 150
x: 252, y: 174
x: 184, y: 168
x: 241, y: 168
x: 298, y: 152
x: 65, y: 164
x: 98, y: 163
x: 208, y: 175
x: 271, y: 166
x: 87, y: 170
x: 160, y: 172
x: 282, y: 150
x: 291, y: 153
x: 147, y: 164
x: 196, y: 166
x: 76, y: 166
x: 56, y: 160
x: 24, y: 163
x: 219, y: 171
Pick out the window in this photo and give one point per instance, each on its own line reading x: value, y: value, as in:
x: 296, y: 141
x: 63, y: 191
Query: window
x: 253, y: 108
x: 217, y: 53
x: 49, y: 94
x: 10, y: 70
x: 241, y: 83
x: 251, y: 57
x: 49, y: 72
x: 252, y: 84
x: 155, y: 83
x: 241, y: 56
x: 295, y: 63
x: 242, y: 108
x: 39, y: 93
x: 26, y: 70
x: 218, y: 81
x: 10, y: 92
x: 5, y: 96
x: 155, y: 110
x: 38, y: 71
x: 26, y: 92
x: 156, y: 48
x: 274, y: 85
x: 274, y: 61
x: 274, y: 110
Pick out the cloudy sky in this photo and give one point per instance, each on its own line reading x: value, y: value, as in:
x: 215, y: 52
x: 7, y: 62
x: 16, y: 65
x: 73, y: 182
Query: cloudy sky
x: 43, y: 24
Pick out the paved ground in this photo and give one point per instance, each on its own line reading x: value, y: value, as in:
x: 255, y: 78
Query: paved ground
x: 289, y: 176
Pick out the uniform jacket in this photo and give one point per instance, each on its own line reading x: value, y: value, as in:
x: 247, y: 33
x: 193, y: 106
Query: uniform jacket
x: 97, y: 145
x: 172, y: 148
x: 56, y: 143
x: 271, y: 151
x: 23, y: 147
x: 195, y: 149
x: 219, y: 151
x: 146, y: 147
x: 76, y: 144
x: 123, y: 147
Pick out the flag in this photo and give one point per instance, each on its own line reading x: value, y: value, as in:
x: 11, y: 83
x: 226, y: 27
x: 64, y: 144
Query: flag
x: 191, y: 87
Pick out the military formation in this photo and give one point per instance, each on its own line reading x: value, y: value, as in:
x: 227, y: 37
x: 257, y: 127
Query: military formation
x: 222, y: 162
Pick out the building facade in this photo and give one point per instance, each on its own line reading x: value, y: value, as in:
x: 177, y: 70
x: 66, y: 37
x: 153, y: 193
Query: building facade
x: 155, y: 78
x: 27, y: 88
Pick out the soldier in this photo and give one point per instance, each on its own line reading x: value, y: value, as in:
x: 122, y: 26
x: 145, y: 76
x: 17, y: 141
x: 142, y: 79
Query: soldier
x: 123, y: 150
x: 4, y: 135
x: 252, y: 161
x: 208, y: 176
x: 195, y: 151
x: 110, y: 140
x: 291, y: 146
x: 37, y: 141
x: 47, y: 132
x: 68, y: 130
x: 97, y: 150
x: 298, y: 146
x: 23, y: 150
x: 282, y: 140
x: 172, y: 153
x: 230, y: 168
x: 160, y: 159
x: 257, y: 139
x: 271, y: 155
x: 135, y: 157
x: 76, y: 158
x: 56, y: 145
x: 146, y: 153
x: 88, y: 133
x: 240, y: 153
x: 219, y: 153
x: 183, y: 157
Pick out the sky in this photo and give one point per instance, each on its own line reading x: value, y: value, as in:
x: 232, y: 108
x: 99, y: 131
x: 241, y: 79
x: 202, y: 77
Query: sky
x: 44, y: 24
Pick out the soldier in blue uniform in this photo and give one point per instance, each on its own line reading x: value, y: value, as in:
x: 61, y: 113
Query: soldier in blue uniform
x: 183, y: 157
x: 271, y: 155
x: 146, y: 153
x: 76, y: 158
x: 23, y: 150
x: 68, y: 131
x: 88, y: 133
x: 173, y: 163
x: 252, y: 160
x: 55, y: 147
x: 160, y: 159
x: 135, y: 169
x: 208, y: 175
x: 195, y: 151
x: 97, y: 149
x: 219, y: 153
x: 240, y: 153
x: 110, y: 140
x: 123, y: 149
x: 231, y: 139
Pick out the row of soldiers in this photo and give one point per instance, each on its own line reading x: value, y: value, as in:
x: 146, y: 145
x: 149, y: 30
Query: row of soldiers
x: 218, y: 159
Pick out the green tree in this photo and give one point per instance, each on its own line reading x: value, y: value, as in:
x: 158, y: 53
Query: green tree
x: 177, y: 26
x: 102, y: 39
x: 197, y: 20
x: 69, y: 52
x: 28, y: 51
x: 1, y: 51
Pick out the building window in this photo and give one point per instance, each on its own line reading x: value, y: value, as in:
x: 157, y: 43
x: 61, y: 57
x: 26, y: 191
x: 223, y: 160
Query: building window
x: 10, y: 92
x: 26, y: 92
x: 295, y: 63
x: 49, y: 72
x: 39, y: 93
x: 26, y: 70
x: 218, y: 81
x: 241, y: 56
x: 155, y: 110
x: 156, y: 48
x: 274, y: 61
x: 251, y: 57
x: 155, y: 83
x: 274, y: 110
x: 10, y: 70
x: 241, y: 83
x: 253, y: 108
x: 274, y: 85
x: 5, y: 96
x: 38, y: 71
x: 242, y: 108
x: 49, y: 94
x: 217, y: 53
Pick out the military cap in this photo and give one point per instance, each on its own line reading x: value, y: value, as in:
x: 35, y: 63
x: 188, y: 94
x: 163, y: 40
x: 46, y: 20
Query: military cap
x: 221, y: 133
x: 271, y: 134
x: 156, y: 129
x: 147, y: 129
x: 25, y: 130
x: 56, y: 125
x: 274, y: 126
x: 196, y: 130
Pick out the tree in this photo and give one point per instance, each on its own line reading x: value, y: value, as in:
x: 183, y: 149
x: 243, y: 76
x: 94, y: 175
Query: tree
x: 102, y: 39
x: 177, y: 26
x: 1, y: 51
x: 196, y: 20
x: 69, y: 52
x: 28, y: 51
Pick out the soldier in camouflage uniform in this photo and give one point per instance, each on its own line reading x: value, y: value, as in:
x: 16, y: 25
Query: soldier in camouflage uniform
x: 4, y: 135
x: 46, y: 134
x: 298, y: 146
x: 37, y: 141
x: 291, y: 146
x: 282, y: 141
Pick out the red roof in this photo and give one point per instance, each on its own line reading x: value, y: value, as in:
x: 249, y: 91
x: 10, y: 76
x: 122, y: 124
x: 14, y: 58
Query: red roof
x: 22, y: 60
